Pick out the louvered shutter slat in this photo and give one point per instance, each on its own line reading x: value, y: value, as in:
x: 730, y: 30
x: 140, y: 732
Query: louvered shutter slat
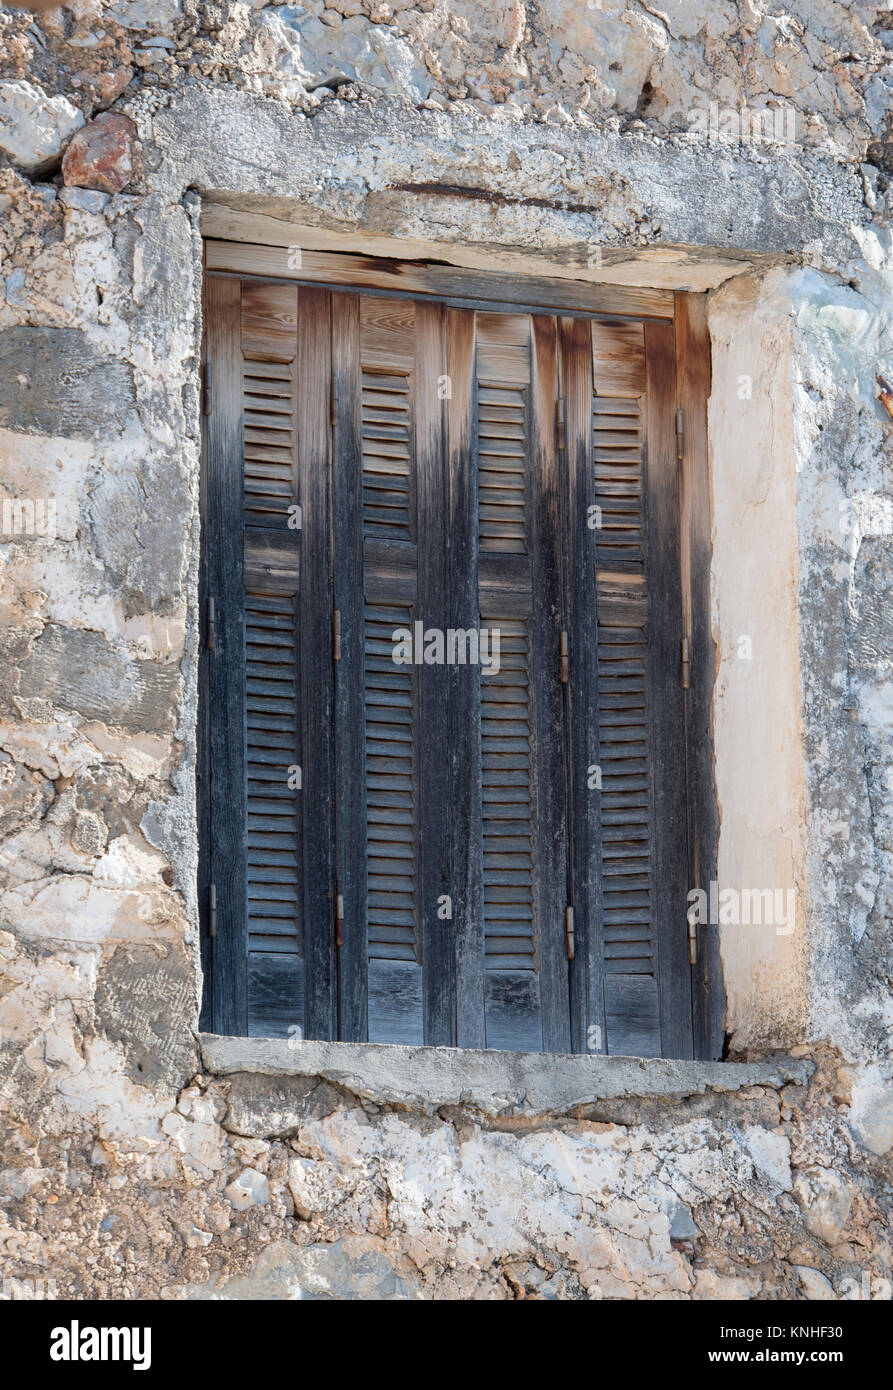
x: 391, y: 792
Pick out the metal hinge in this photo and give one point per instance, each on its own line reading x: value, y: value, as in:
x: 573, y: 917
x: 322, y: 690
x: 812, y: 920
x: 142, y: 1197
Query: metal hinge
x: 339, y: 920
x: 336, y: 635
x: 686, y: 665
x: 206, y: 389
x: 212, y: 626
x: 212, y: 910
x: 565, y: 659
x: 680, y: 435
x: 692, y: 920
x: 569, y: 931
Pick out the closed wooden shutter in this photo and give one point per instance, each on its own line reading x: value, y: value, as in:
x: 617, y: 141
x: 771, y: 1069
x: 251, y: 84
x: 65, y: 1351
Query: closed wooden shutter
x: 390, y: 574
x: 626, y: 729
x: 269, y: 675
x: 510, y: 852
x: 469, y: 854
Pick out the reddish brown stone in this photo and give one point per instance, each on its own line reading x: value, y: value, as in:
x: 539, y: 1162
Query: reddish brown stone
x: 99, y: 155
x: 110, y: 85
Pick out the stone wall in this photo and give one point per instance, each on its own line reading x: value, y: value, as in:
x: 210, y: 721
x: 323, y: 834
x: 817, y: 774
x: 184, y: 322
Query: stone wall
x: 599, y: 140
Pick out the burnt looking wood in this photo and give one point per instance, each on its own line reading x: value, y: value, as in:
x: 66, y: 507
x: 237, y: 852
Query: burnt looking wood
x: 447, y: 463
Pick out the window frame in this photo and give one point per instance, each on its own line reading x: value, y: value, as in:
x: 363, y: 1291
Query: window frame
x: 502, y: 293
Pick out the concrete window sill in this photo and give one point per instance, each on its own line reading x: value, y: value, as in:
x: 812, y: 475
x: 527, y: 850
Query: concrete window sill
x: 495, y: 1082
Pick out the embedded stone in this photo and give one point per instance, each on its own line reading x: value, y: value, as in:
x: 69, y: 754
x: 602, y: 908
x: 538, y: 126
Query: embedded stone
x: 771, y: 1154
x: 57, y: 382
x: 355, y: 1268
x: 83, y: 671
x: 826, y: 1199
x: 89, y: 834
x: 269, y: 1107
x: 33, y: 126
x: 101, y: 156
x: 250, y: 1189
x: 871, y: 1115
x: 817, y: 1288
x: 144, y: 1004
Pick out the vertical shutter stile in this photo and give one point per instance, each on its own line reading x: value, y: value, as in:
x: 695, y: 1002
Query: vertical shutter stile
x: 587, y: 984
x: 467, y: 882
x: 315, y: 613
x: 226, y: 663
x: 350, y: 741
x: 693, y: 389
x: 433, y: 720
x: 669, y: 826
x: 548, y: 728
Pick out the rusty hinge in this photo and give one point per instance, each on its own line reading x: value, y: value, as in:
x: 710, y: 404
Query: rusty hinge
x: 212, y: 910
x: 559, y: 420
x: 565, y: 659
x: 212, y: 626
x: 692, y: 920
x: 206, y: 389
x: 569, y: 931
x: 339, y: 920
x: 680, y: 435
x: 336, y: 635
x: 686, y: 665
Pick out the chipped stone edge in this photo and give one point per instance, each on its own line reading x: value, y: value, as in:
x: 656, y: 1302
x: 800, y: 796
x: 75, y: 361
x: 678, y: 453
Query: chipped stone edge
x: 391, y: 1074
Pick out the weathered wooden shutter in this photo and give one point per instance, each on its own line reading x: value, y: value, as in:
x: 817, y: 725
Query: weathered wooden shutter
x: 271, y: 729
x: 393, y: 812
x: 631, y: 988
x: 508, y: 763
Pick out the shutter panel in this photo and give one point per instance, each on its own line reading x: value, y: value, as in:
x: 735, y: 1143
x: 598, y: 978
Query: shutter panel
x: 254, y: 667
x: 378, y: 728
x: 512, y: 1007
x: 270, y: 681
x: 629, y: 888
x: 519, y: 838
x: 632, y: 835
x: 391, y: 511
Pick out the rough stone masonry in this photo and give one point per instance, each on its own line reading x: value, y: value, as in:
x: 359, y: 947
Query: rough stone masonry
x: 141, y: 1160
